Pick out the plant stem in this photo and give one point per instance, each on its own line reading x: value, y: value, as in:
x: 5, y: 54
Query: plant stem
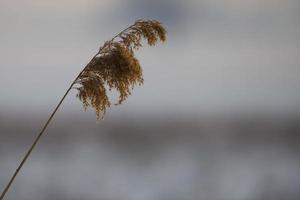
x: 42, y: 132
x: 35, y: 142
x: 50, y: 118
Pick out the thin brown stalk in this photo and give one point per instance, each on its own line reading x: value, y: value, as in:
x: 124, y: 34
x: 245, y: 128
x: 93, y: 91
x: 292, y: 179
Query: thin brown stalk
x: 36, y: 140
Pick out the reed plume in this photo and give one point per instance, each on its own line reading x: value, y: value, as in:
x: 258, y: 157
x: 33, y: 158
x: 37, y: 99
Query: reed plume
x: 114, y: 66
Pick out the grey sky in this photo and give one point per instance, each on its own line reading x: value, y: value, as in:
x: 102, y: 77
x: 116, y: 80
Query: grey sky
x: 220, y: 55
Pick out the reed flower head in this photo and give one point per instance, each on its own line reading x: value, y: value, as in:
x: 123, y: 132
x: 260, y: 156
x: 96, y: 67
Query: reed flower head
x: 116, y: 67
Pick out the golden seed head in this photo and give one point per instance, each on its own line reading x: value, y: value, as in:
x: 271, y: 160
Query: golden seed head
x: 115, y: 66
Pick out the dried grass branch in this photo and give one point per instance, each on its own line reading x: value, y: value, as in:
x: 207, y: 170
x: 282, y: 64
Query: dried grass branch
x: 114, y: 67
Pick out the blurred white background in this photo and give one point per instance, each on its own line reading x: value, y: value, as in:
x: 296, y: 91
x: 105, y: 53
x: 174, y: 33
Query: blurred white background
x: 217, y: 117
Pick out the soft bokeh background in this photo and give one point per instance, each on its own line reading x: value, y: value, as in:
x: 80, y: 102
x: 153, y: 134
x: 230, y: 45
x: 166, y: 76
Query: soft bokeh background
x: 217, y: 118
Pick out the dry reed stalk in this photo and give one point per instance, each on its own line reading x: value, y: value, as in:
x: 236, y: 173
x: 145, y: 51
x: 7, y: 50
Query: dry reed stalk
x: 114, y: 66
